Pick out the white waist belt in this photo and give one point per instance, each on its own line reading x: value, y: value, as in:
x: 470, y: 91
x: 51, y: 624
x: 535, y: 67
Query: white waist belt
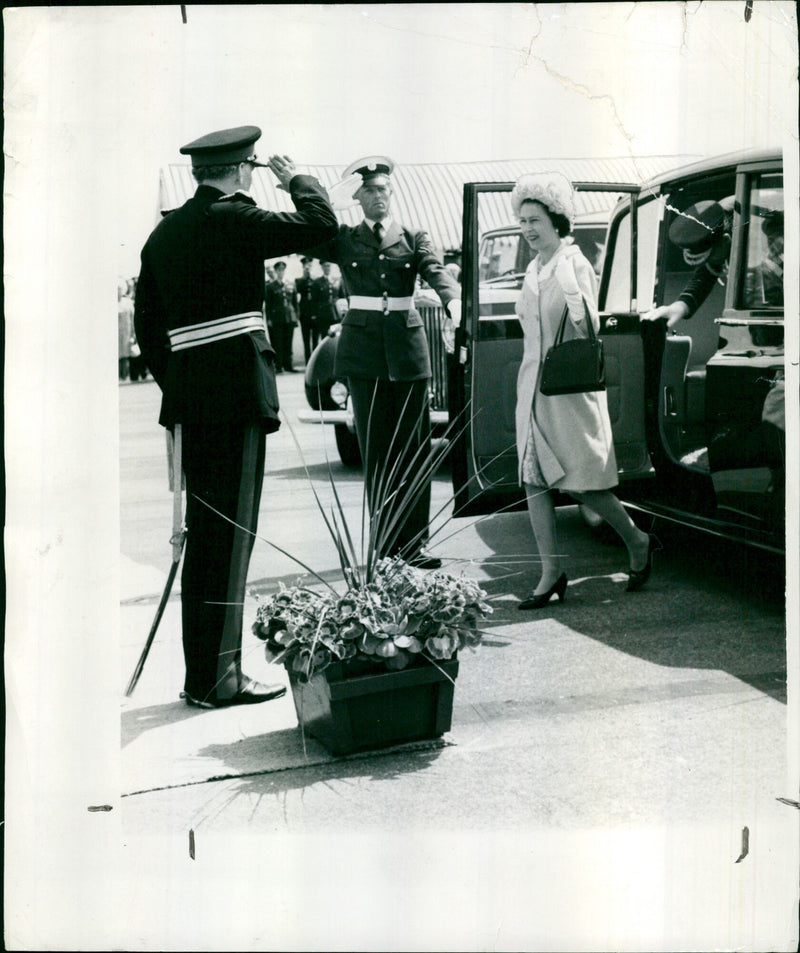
x: 207, y: 331
x: 385, y: 303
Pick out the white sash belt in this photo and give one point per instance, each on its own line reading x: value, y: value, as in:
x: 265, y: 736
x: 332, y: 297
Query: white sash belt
x: 191, y: 335
x: 385, y: 304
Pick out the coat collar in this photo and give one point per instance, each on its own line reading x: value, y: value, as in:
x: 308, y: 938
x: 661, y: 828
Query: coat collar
x: 208, y: 194
x: 391, y: 236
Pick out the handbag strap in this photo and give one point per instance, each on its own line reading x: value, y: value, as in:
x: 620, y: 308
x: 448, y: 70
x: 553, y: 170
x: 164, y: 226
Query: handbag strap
x: 563, y: 325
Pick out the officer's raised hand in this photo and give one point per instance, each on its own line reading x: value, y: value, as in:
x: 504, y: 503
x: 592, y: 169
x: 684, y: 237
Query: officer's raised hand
x: 284, y: 169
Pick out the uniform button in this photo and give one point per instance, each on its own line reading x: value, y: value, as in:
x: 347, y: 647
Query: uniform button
x: 381, y: 257
x: 408, y: 264
x: 355, y: 264
x: 383, y: 275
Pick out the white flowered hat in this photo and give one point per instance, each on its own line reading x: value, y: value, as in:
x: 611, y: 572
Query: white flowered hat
x: 551, y: 189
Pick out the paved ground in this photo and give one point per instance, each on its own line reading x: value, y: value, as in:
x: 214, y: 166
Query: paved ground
x: 605, y: 758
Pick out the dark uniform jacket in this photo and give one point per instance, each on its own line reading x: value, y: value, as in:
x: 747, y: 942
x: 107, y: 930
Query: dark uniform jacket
x: 205, y: 261
x: 705, y: 276
x: 278, y: 302
x: 372, y: 344
x: 302, y: 291
x: 324, y: 293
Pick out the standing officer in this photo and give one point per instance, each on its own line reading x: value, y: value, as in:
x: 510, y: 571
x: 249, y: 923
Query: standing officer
x: 199, y: 324
x: 279, y: 309
x: 305, y: 313
x: 324, y: 293
x: 383, y: 353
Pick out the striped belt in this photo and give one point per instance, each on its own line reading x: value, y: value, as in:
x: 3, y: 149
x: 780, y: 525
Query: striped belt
x: 384, y: 303
x: 192, y: 335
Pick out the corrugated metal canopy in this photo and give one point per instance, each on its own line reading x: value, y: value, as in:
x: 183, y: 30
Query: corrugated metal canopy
x: 430, y: 195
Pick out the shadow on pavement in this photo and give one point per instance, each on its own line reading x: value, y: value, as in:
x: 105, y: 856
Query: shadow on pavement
x: 292, y: 769
x: 318, y: 473
x: 709, y: 604
x: 136, y: 721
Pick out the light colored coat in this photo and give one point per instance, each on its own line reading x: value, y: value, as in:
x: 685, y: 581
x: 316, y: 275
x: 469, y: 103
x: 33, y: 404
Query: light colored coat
x: 571, y: 433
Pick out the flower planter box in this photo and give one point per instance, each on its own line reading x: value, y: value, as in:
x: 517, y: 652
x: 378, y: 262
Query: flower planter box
x: 352, y: 712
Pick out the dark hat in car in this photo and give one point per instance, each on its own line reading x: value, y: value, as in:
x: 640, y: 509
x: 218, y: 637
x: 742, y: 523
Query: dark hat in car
x: 279, y: 264
x: 305, y: 260
x: 772, y: 226
x: 369, y: 167
x: 698, y: 227
x: 224, y: 147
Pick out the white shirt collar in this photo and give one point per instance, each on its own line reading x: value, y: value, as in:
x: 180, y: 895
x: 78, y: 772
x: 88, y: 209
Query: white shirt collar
x: 385, y: 224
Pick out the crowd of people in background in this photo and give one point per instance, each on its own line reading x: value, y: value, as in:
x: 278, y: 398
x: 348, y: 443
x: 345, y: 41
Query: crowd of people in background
x: 311, y: 302
x: 315, y: 302
x: 132, y: 365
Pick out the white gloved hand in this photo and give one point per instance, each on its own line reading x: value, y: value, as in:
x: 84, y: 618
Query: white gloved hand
x: 454, y: 309
x: 449, y: 335
x: 451, y: 321
x: 565, y: 276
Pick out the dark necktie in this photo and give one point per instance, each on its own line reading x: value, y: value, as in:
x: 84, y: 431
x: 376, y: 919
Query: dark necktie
x: 378, y: 229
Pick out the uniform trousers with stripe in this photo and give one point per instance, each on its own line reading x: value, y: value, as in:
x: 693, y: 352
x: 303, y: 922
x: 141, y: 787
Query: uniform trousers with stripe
x: 393, y: 425
x: 224, y: 466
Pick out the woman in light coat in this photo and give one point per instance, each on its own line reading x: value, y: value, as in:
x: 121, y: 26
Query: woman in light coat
x: 564, y: 442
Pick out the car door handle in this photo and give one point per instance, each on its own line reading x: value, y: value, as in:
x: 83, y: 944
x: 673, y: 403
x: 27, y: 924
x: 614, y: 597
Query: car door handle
x: 670, y: 407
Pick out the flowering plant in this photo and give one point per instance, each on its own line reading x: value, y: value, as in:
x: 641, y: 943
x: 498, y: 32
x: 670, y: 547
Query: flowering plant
x: 391, y: 615
x: 399, y: 617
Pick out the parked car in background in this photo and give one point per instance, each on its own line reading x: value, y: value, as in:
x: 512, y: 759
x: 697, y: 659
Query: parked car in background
x: 504, y: 256
x: 697, y: 415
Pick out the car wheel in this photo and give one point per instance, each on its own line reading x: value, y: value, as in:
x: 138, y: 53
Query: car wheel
x: 319, y: 397
x: 347, y: 445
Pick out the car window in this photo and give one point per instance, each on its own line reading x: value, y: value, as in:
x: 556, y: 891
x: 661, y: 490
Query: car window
x: 763, y: 266
x: 503, y: 255
x: 679, y: 264
x: 618, y: 295
x: 591, y: 241
x: 507, y: 255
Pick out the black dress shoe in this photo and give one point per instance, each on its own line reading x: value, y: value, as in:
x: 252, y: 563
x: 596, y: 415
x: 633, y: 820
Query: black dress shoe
x: 250, y: 693
x: 559, y: 588
x: 638, y: 577
x: 423, y: 560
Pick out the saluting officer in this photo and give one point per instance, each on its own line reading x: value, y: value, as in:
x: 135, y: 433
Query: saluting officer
x: 200, y: 328
x: 383, y: 351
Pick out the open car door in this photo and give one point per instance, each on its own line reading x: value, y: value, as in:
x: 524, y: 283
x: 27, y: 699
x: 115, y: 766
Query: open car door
x: 488, y: 352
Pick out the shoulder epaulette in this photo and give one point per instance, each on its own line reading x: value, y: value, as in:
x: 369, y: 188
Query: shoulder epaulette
x: 238, y: 197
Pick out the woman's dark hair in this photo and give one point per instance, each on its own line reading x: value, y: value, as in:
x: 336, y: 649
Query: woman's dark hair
x: 559, y: 222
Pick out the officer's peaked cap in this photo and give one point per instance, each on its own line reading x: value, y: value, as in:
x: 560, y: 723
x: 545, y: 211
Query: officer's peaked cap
x: 772, y: 224
x: 699, y: 226
x: 369, y: 167
x: 225, y: 147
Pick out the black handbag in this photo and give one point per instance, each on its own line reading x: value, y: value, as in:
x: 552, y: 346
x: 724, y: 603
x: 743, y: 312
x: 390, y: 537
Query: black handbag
x: 576, y: 366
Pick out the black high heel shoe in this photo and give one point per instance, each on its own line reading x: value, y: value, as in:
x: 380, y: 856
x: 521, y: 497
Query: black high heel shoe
x: 558, y: 588
x: 638, y: 577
